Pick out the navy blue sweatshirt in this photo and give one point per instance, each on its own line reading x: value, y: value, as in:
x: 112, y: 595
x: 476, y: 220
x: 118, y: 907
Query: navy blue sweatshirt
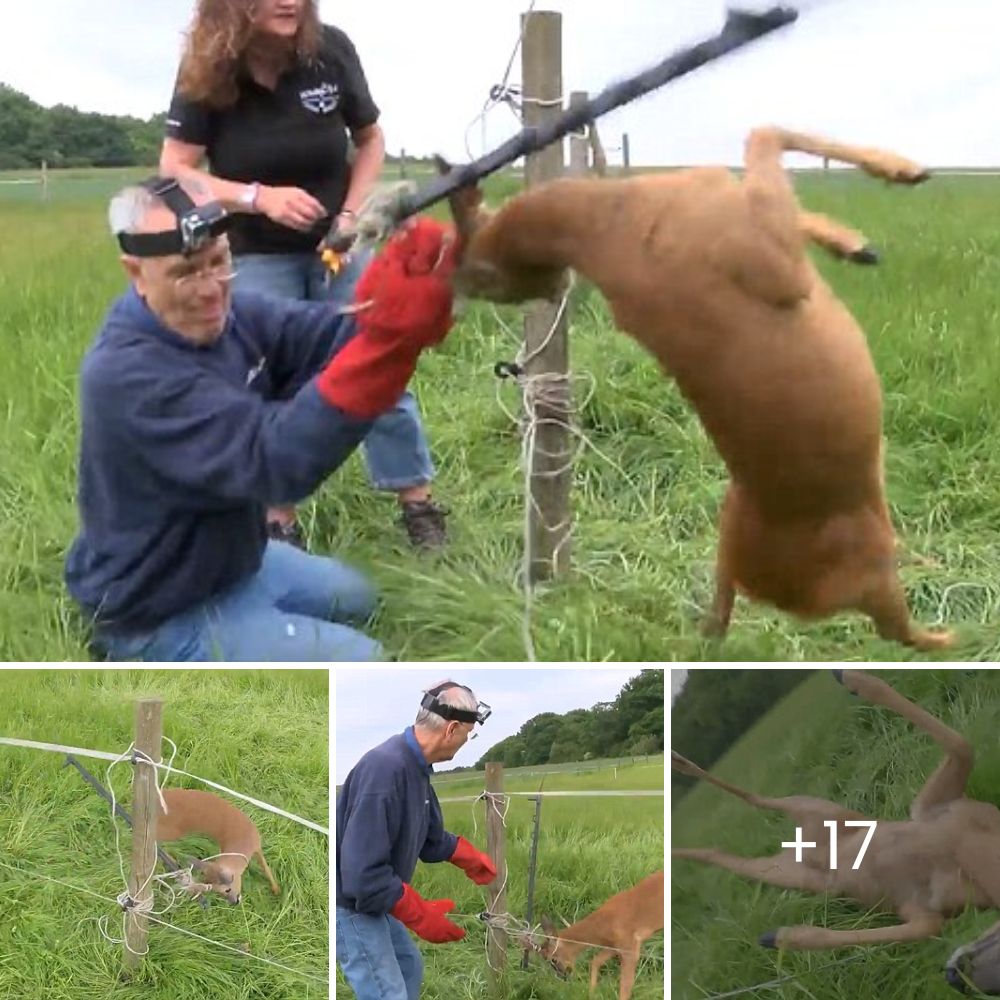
x: 388, y: 817
x: 183, y: 448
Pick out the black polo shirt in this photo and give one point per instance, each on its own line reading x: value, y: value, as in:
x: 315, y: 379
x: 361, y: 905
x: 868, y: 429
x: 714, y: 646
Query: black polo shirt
x: 293, y: 136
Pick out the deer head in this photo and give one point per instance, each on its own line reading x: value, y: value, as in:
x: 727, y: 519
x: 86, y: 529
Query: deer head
x: 221, y: 877
x: 490, y: 265
x: 558, y: 953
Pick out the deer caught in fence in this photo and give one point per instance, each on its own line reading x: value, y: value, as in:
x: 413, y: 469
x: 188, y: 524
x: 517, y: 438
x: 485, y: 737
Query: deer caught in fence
x: 191, y: 812
x: 709, y: 272
x: 618, y: 927
x: 943, y: 859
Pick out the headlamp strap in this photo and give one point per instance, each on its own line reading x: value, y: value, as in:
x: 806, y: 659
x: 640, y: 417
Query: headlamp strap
x: 450, y: 712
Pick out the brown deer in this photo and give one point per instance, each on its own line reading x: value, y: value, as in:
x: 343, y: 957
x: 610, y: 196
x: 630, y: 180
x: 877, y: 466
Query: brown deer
x: 618, y: 927
x: 710, y: 274
x: 945, y: 857
x: 193, y: 812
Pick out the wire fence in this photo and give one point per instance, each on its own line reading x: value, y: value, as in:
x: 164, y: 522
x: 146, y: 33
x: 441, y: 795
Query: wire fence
x: 105, y: 755
x: 125, y: 902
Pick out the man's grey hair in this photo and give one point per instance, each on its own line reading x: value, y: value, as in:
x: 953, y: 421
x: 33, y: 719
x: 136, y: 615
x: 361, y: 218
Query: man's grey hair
x: 457, y: 697
x: 128, y: 209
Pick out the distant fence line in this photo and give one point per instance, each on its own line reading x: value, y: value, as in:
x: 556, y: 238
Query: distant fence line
x: 583, y: 768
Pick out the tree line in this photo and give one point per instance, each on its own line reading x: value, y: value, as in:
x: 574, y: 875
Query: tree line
x: 62, y: 136
x: 716, y: 707
x: 631, y: 725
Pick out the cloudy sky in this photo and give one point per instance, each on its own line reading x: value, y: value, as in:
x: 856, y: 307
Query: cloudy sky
x: 920, y: 76
x: 373, y: 704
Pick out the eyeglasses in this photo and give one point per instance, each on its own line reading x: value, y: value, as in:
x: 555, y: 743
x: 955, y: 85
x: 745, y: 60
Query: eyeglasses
x: 223, y: 273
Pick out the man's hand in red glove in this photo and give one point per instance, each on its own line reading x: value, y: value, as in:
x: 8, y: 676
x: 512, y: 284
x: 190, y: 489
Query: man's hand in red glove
x: 426, y: 917
x: 475, y: 864
x: 404, y: 301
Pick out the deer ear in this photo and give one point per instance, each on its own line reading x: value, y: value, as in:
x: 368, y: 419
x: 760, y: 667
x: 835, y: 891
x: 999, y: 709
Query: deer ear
x: 197, y: 863
x: 547, y: 925
x: 441, y: 164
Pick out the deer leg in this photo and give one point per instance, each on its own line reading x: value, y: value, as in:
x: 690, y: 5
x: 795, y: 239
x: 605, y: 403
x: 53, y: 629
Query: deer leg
x: 597, y: 962
x: 839, y: 240
x: 780, y: 869
x: 885, y: 604
x: 876, y: 162
x: 716, y: 621
x: 919, y: 924
x: 802, y: 808
x: 275, y: 888
x: 629, y: 962
x: 948, y: 781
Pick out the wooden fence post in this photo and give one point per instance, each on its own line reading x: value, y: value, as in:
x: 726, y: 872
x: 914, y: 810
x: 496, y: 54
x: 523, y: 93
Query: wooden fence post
x: 578, y: 159
x: 545, y: 338
x: 496, y: 847
x: 148, y: 741
x: 626, y: 155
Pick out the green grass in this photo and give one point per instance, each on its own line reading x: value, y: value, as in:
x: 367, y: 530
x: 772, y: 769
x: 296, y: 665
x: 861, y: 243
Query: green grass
x: 588, y: 849
x: 820, y: 741
x: 261, y: 733
x: 645, y: 497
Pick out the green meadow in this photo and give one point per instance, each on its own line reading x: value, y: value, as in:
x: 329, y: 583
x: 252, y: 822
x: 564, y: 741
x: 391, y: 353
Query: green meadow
x: 647, y: 483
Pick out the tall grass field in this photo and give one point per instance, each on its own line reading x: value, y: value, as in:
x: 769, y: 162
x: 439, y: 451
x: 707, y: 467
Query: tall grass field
x: 262, y: 733
x: 588, y: 850
x: 646, y: 487
x: 820, y: 741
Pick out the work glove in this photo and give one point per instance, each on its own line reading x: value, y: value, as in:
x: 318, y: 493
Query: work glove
x: 475, y: 864
x: 426, y: 917
x: 403, y: 304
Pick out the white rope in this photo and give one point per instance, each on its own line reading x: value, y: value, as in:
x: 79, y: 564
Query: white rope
x: 163, y: 923
x: 103, y: 755
x: 636, y: 793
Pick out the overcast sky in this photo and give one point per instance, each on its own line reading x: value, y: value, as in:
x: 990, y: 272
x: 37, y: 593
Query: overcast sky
x: 919, y: 76
x: 372, y: 704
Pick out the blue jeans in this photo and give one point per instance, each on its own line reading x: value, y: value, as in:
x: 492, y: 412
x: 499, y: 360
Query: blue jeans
x: 396, y: 451
x: 290, y: 609
x: 378, y: 957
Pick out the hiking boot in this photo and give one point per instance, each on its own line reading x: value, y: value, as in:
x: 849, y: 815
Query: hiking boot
x: 424, y: 523
x: 290, y: 533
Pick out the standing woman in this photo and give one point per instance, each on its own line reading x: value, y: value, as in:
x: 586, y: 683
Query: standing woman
x: 267, y: 96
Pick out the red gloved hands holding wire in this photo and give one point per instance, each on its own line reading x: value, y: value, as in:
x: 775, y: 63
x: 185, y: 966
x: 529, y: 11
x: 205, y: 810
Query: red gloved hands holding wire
x: 478, y: 866
x: 426, y: 917
x: 404, y: 301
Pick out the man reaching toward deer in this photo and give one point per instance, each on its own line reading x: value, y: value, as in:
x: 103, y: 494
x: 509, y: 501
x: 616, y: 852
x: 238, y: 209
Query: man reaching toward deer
x: 388, y: 818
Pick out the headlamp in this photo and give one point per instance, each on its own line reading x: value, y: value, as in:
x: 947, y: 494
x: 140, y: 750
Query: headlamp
x: 197, y: 225
x: 450, y: 712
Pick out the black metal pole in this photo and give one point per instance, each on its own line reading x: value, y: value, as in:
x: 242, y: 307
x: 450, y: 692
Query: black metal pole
x: 741, y: 28
x: 532, y: 864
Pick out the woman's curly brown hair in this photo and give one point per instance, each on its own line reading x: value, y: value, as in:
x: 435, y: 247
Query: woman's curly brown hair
x: 216, y: 45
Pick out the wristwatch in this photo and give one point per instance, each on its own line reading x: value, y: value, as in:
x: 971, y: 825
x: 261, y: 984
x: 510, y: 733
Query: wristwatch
x: 248, y: 196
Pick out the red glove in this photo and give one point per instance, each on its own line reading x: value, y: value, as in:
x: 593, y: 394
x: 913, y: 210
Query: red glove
x: 409, y: 286
x: 426, y: 917
x: 475, y: 864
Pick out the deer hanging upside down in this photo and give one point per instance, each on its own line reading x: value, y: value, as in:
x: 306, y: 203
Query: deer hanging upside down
x: 710, y: 274
x: 192, y: 812
x: 944, y: 858
x: 618, y: 927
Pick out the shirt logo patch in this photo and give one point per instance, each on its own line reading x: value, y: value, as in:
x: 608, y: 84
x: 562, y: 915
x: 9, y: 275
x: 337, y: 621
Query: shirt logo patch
x: 321, y: 100
x: 256, y: 370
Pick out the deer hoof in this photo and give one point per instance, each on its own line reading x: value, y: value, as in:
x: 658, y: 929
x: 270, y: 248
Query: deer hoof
x: 866, y: 255
x: 769, y: 940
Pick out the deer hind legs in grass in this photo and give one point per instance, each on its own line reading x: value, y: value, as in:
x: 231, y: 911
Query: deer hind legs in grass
x: 947, y: 783
x: 885, y: 603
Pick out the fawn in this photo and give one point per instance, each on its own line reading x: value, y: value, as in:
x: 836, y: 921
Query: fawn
x: 190, y: 811
x: 709, y: 272
x: 618, y: 927
x: 943, y: 859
